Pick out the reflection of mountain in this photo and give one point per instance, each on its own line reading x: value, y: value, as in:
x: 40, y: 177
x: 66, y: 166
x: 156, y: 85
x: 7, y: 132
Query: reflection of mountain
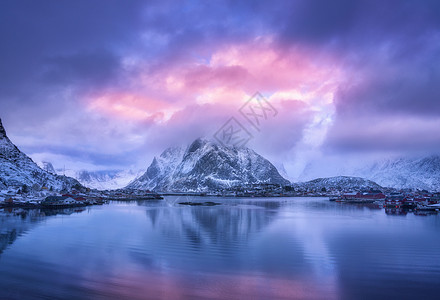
x: 222, y: 227
x: 16, y: 222
x: 239, y: 234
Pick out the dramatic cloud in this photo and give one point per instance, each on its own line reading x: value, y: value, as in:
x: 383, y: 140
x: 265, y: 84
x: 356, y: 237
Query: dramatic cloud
x: 108, y: 84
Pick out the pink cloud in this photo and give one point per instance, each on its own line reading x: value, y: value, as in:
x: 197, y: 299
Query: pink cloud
x: 129, y: 105
x: 232, y: 70
x: 190, y: 97
x: 176, y: 285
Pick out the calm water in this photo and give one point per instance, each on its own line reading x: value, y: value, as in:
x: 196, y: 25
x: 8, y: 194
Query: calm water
x: 280, y: 248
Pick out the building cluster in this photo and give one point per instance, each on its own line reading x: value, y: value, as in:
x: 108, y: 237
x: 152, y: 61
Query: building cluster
x: 45, y: 198
x: 256, y: 190
x: 396, y: 202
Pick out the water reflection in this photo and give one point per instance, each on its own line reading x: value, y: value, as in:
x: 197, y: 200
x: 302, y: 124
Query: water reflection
x: 396, y: 211
x: 213, y: 225
x: 14, y: 222
x: 242, y: 249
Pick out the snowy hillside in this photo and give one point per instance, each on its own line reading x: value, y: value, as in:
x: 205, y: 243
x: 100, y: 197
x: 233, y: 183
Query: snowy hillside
x: 400, y: 172
x: 17, y: 169
x: 340, y: 183
x: 204, y: 166
x: 421, y: 173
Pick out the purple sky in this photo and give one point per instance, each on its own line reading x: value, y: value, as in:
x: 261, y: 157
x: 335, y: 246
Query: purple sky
x: 108, y: 84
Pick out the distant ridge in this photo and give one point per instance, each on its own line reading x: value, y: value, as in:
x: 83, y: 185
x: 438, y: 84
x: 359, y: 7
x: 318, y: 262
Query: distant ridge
x: 340, y: 183
x: 404, y: 172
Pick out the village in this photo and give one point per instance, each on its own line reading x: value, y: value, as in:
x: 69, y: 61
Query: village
x: 395, y: 201
x: 42, y: 197
x: 399, y: 202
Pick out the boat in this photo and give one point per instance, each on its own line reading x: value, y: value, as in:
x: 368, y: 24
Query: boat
x: 335, y: 198
x: 431, y: 207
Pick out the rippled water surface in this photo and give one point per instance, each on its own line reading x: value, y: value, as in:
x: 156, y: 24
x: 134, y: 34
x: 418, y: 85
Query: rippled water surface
x: 276, y: 248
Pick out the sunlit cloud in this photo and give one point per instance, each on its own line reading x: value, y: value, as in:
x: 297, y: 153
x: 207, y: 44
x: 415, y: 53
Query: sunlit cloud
x: 131, y: 106
x: 232, y: 74
x: 173, y: 97
x: 139, y: 74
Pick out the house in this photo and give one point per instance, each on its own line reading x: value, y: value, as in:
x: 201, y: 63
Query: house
x: 9, y: 200
x: 350, y: 195
x: 371, y: 195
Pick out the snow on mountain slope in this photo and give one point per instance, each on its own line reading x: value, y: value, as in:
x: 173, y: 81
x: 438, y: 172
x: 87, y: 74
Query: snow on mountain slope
x: 204, y: 166
x: 48, y: 167
x: 17, y: 169
x: 400, y: 172
x: 420, y: 173
x: 105, y: 179
x: 341, y: 183
x: 100, y: 180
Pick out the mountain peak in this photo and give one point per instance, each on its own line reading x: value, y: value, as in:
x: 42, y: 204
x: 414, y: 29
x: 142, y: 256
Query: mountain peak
x: 206, y: 166
x: 197, y: 144
x: 2, y: 130
x: 200, y: 145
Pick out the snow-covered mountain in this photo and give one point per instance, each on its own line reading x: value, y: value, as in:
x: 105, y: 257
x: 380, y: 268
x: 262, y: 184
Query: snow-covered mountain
x: 205, y: 165
x: 17, y: 169
x: 48, y: 167
x: 420, y: 173
x: 340, y: 183
x: 100, y: 179
x: 396, y: 172
x: 105, y: 179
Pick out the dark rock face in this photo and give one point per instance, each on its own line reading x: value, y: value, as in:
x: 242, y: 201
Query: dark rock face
x: 48, y: 167
x: 206, y: 166
x: 2, y: 130
x: 154, y: 169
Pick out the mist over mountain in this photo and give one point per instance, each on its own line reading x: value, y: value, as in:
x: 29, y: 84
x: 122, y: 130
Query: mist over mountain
x: 105, y: 179
x: 204, y: 165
